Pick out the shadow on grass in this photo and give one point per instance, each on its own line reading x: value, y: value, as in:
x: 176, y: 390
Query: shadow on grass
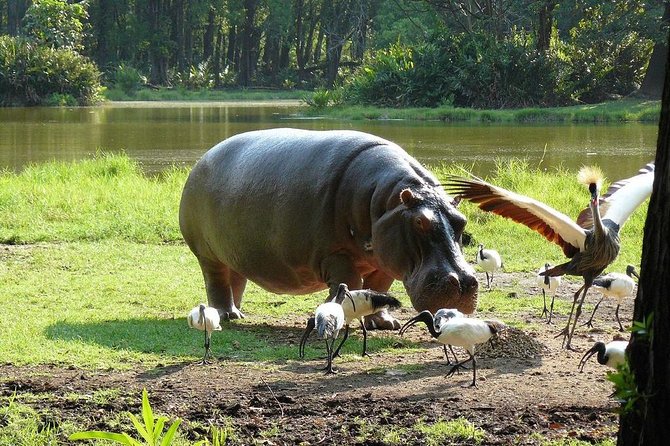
x: 173, y: 338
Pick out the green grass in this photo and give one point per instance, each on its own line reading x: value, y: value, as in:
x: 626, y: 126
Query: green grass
x: 623, y: 110
x: 441, y: 432
x: 94, y: 272
x: 182, y: 94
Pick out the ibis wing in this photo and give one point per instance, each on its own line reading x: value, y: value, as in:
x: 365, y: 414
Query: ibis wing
x: 622, y: 198
x: 553, y: 225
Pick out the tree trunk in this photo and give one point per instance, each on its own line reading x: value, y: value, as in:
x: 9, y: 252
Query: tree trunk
x: 545, y: 24
x: 208, y: 38
x: 652, y: 84
x: 247, y: 47
x: 157, y: 53
x: 649, y: 354
x: 16, y: 9
x: 218, y: 50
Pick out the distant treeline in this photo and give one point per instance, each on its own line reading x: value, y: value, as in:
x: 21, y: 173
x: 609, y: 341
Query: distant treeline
x: 497, y: 53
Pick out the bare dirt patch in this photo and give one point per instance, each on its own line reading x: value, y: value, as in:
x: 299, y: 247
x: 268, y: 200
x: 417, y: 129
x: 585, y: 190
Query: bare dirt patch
x: 527, y: 386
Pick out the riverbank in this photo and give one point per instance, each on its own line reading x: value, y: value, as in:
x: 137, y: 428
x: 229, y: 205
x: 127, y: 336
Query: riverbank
x: 617, y: 111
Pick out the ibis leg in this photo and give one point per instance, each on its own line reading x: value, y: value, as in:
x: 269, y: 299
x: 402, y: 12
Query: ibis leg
x: 551, y: 310
x: 344, y: 338
x: 365, y: 339
x: 616, y: 313
x: 310, y: 326
x: 589, y: 323
x: 545, y: 311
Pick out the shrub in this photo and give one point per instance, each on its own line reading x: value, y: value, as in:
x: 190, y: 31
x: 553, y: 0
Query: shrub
x: 31, y: 74
x: 128, y: 79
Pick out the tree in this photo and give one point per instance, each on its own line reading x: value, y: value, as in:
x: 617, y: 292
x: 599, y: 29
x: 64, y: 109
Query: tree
x: 652, y: 84
x: 56, y: 23
x: 646, y: 421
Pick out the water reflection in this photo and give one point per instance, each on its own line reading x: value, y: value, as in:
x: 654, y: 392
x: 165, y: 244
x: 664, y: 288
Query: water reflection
x: 161, y: 135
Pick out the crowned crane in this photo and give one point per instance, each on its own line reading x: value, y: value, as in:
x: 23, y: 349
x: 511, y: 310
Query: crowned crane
x: 611, y: 355
x: 488, y: 260
x: 461, y: 332
x: 548, y: 284
x: 328, y: 320
x: 205, y: 319
x: 360, y: 303
x: 592, y: 243
x: 615, y: 285
x: 442, y: 316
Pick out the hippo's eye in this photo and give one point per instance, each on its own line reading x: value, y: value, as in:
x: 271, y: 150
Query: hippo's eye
x: 458, y: 225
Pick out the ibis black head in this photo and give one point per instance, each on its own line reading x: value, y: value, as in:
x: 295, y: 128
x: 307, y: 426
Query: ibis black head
x: 546, y: 278
x: 343, y: 293
x: 599, y: 348
x: 427, y: 318
x: 630, y: 270
x: 201, y: 315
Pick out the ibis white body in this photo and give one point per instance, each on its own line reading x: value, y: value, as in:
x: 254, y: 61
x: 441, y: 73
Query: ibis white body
x: 205, y: 319
x: 611, y: 354
x: 329, y: 320
x: 459, y: 331
x: 211, y: 321
x: 442, y: 316
x: 489, y: 261
x: 616, y: 285
x: 548, y: 285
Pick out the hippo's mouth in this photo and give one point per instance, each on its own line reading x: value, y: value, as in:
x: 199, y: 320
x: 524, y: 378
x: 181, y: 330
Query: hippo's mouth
x: 432, y: 292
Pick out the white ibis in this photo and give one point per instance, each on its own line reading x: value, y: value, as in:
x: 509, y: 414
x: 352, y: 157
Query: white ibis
x: 489, y: 261
x: 442, y: 316
x: 615, y: 285
x: 548, y: 284
x: 205, y: 319
x: 461, y: 332
x: 328, y: 320
x: 360, y: 303
x: 592, y: 243
x: 611, y: 355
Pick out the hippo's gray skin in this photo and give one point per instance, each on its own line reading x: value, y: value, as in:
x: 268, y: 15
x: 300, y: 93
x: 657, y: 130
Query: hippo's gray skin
x: 299, y: 211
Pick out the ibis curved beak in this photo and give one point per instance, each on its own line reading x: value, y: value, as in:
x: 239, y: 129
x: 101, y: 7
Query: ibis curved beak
x: 586, y: 357
x: 426, y: 317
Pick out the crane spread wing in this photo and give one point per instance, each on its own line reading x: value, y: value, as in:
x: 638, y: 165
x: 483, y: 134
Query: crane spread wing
x: 553, y: 225
x: 622, y: 198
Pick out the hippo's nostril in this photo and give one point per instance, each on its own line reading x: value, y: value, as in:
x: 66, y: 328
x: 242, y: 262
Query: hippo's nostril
x: 469, y: 282
x: 453, y: 280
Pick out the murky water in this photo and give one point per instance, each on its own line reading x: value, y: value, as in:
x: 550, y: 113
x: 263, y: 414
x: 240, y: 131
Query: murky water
x: 163, y: 134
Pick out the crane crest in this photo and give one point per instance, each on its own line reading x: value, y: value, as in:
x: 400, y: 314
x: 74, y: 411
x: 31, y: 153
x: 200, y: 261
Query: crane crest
x: 590, y: 175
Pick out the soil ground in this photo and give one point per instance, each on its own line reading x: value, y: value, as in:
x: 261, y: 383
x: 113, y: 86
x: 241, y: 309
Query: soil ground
x: 528, y: 388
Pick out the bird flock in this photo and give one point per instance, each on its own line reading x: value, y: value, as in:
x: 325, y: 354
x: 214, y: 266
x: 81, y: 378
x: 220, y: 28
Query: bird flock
x: 591, y: 243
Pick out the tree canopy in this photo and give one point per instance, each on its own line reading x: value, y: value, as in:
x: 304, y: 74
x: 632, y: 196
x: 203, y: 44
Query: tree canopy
x: 591, y: 49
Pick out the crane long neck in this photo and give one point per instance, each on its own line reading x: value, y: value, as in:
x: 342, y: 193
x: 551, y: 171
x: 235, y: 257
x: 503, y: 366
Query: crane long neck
x: 598, y: 227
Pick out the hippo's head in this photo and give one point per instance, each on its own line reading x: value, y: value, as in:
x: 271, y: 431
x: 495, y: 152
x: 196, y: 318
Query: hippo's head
x: 418, y: 240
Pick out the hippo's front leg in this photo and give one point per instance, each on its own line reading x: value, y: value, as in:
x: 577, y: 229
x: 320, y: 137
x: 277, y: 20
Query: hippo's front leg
x: 224, y: 288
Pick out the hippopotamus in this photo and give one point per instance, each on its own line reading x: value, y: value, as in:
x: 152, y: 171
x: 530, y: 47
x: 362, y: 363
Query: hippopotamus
x: 298, y: 211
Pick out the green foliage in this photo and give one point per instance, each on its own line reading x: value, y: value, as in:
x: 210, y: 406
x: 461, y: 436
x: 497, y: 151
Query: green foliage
x: 56, y: 23
x: 150, y: 429
x: 322, y: 98
x: 128, y: 78
x: 459, y: 429
x: 31, y: 74
x: 473, y: 70
x: 21, y: 425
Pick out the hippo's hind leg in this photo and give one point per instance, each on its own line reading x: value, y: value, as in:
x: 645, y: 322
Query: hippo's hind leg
x: 224, y: 288
x: 381, y: 320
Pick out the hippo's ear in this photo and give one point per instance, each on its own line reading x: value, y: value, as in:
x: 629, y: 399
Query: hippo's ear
x: 408, y: 198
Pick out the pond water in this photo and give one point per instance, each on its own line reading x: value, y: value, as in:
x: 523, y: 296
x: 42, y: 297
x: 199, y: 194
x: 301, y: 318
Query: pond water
x: 160, y: 135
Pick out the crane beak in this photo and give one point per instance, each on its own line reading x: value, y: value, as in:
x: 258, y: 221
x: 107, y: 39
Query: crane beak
x: 586, y: 357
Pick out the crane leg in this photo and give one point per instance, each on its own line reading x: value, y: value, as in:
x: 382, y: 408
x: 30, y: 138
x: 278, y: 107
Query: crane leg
x: 578, y: 312
x: 566, y: 330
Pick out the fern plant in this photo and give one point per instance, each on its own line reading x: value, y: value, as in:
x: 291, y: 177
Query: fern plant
x: 150, y: 430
